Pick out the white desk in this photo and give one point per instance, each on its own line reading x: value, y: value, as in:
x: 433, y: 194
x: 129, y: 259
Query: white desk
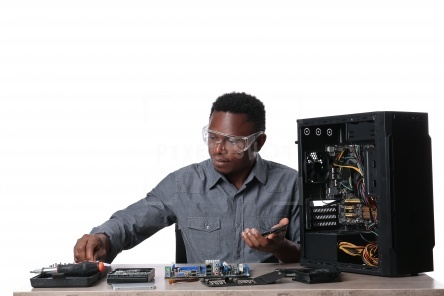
x: 351, y: 284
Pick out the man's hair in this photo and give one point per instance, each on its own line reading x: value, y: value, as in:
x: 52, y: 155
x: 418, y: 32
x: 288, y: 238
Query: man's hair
x: 242, y: 103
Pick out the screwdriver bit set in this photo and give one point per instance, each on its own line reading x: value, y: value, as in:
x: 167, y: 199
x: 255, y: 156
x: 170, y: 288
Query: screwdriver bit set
x: 68, y: 275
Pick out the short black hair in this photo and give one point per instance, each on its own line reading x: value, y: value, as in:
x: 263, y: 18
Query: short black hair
x: 242, y: 103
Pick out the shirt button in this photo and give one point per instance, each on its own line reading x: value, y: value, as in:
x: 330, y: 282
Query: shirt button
x: 208, y: 226
x: 237, y: 224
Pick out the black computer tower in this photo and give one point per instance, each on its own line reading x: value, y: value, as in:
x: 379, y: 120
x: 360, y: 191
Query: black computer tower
x: 366, y: 193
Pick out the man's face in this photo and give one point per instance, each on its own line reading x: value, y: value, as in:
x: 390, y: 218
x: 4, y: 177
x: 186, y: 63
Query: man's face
x: 225, y: 160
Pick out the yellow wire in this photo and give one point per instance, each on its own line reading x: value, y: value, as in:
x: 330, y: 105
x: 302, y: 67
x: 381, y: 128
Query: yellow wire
x: 348, y: 166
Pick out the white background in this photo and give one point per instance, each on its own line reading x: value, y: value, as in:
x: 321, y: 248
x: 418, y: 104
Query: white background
x: 99, y: 100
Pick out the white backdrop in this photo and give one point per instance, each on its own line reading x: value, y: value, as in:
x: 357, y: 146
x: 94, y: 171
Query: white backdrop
x: 99, y: 100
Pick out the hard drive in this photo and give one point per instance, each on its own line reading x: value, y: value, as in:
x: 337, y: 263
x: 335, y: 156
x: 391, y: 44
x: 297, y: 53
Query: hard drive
x: 131, y: 275
x: 312, y: 275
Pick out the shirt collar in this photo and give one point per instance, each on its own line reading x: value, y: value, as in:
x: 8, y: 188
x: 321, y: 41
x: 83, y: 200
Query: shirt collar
x: 259, y: 171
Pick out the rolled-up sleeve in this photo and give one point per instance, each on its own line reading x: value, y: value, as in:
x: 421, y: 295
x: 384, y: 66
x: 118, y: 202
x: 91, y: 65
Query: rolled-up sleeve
x: 128, y: 227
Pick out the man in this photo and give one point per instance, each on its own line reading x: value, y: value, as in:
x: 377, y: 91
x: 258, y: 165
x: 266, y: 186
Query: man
x: 214, y: 200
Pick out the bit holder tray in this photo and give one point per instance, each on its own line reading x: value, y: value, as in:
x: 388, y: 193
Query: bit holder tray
x: 59, y: 280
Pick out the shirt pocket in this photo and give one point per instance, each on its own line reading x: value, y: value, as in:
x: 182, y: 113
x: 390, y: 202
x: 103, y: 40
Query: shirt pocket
x: 204, y: 233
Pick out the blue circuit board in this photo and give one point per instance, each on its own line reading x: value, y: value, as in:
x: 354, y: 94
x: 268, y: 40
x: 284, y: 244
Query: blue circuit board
x: 211, y: 268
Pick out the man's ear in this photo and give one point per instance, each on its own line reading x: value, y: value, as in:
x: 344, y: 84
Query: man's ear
x: 260, y: 141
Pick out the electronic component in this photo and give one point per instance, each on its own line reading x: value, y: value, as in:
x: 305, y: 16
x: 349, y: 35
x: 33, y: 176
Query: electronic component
x: 133, y: 286
x: 366, y: 193
x: 211, y: 268
x: 305, y: 275
x: 264, y: 279
x: 312, y: 275
x: 131, y: 275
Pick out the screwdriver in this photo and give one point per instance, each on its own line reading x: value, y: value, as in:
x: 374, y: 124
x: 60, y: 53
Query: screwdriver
x: 85, y: 268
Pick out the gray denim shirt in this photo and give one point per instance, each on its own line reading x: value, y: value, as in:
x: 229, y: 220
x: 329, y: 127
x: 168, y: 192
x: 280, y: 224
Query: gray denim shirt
x: 211, y: 212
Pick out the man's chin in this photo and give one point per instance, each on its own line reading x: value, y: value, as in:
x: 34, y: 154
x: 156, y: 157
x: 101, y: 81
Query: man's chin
x: 222, y: 168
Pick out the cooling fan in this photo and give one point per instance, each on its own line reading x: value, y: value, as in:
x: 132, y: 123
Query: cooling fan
x: 316, y: 167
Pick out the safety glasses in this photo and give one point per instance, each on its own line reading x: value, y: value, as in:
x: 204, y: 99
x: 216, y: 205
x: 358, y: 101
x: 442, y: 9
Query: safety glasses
x: 235, y: 144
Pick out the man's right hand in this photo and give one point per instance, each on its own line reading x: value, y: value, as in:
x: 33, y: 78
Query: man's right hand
x: 92, y: 247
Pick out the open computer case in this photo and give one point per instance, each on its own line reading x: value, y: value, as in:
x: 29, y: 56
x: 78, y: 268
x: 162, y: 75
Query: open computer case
x: 366, y: 193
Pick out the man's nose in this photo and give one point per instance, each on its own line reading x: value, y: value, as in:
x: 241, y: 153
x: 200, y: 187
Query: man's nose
x: 220, y: 146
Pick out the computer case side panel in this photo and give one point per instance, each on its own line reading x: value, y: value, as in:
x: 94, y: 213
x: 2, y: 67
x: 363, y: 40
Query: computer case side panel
x: 406, y: 226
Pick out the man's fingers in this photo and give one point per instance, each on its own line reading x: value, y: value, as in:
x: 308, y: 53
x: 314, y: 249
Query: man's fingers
x: 93, y: 244
x: 80, y: 250
x: 284, y: 221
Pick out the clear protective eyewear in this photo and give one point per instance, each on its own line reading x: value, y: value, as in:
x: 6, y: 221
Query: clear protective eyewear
x: 236, y: 144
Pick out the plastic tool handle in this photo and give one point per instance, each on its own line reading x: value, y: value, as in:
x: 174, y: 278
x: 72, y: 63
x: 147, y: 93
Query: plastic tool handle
x: 81, y: 269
